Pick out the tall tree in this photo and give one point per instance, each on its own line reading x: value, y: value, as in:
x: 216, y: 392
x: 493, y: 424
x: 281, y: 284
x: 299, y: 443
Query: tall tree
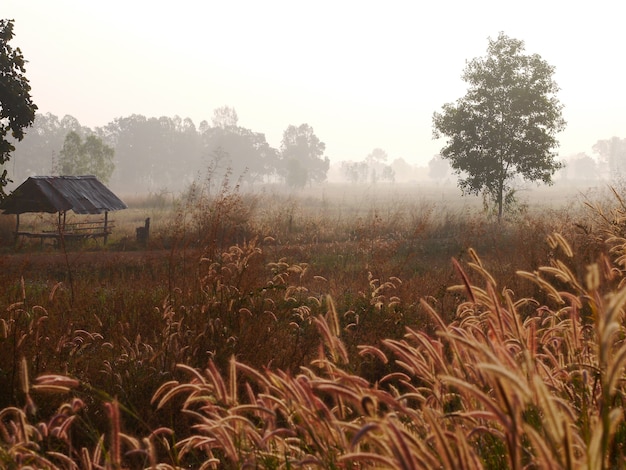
x: 241, y: 152
x: 377, y: 155
x: 37, y: 153
x: 225, y: 117
x: 580, y: 168
x: 302, y: 156
x: 355, y: 172
x: 506, y: 124
x: 377, y: 167
x: 91, y: 157
x: 153, y: 153
x: 17, y: 110
x: 403, y: 170
x: 438, y: 168
x: 612, y: 154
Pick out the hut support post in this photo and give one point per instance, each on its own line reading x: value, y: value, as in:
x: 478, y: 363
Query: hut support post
x: 61, y: 223
x: 106, y: 228
x: 17, y: 226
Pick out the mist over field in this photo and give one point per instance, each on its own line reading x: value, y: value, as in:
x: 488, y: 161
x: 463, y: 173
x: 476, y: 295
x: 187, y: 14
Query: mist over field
x: 165, y: 155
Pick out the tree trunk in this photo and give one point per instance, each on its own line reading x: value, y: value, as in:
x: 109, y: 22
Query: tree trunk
x: 500, y: 199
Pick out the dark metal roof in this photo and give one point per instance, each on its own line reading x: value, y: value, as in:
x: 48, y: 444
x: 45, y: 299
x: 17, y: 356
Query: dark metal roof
x: 81, y: 194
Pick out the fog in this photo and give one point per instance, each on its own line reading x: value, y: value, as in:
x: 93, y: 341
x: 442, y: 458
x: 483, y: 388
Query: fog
x: 363, y: 75
x: 167, y: 154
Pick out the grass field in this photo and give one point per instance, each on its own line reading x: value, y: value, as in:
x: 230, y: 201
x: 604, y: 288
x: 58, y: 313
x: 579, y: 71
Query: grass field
x: 338, y: 327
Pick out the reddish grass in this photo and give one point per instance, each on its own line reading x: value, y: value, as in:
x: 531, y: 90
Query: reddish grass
x: 236, y: 342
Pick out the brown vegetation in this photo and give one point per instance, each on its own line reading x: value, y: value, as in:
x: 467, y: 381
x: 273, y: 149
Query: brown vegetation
x: 269, y: 331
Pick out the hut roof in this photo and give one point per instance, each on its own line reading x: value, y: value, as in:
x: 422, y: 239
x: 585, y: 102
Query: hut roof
x: 81, y: 194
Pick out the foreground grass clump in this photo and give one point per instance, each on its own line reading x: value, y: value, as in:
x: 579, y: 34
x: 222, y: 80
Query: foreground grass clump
x: 287, y: 350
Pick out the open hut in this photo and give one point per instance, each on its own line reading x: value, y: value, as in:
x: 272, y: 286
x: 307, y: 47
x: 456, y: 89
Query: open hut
x: 59, y: 194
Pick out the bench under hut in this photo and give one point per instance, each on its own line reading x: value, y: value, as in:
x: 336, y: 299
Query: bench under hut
x: 59, y: 194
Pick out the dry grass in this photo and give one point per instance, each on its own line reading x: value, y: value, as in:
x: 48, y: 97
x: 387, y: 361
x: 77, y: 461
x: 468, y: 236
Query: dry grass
x: 288, y: 336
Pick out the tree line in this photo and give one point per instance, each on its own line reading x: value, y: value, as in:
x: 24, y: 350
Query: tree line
x: 503, y: 130
x: 141, y: 154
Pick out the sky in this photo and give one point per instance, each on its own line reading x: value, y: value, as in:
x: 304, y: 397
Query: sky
x: 363, y: 74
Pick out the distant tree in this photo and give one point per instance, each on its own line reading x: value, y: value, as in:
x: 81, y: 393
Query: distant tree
x: 136, y: 141
x: 355, y: 172
x: 297, y: 175
x: 225, y: 117
x: 302, y: 157
x: 71, y: 160
x: 17, y: 110
x: 388, y: 174
x: 377, y: 168
x: 505, y: 126
x: 612, y: 154
x: 580, y: 167
x: 438, y: 168
x: 153, y: 154
x: 70, y: 123
x: 402, y: 169
x: 377, y: 155
x: 243, y: 153
x: 372, y: 169
x: 35, y: 154
x: 91, y: 157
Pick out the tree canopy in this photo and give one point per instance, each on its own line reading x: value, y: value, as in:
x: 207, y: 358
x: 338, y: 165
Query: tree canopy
x: 169, y: 153
x: 225, y: 117
x: 154, y: 153
x: 88, y: 157
x: 302, y: 156
x: 244, y: 154
x: 612, y: 154
x: 37, y: 152
x: 17, y: 109
x: 506, y: 124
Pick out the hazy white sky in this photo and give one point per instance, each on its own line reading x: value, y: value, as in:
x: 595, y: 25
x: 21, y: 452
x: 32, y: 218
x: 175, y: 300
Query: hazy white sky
x: 363, y: 74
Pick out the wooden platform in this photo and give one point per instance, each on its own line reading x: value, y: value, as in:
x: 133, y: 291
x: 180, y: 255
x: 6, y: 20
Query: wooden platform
x: 72, y: 232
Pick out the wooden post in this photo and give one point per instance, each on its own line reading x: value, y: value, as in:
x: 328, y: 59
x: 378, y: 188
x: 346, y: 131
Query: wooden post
x: 60, y: 241
x: 106, y: 222
x: 61, y: 223
x: 143, y: 233
x: 17, y: 226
